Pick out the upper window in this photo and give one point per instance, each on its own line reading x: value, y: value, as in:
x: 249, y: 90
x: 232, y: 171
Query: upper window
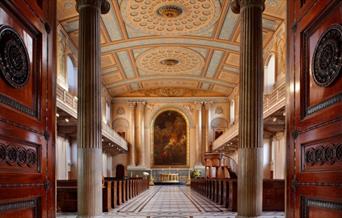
x: 269, y: 73
x: 72, y: 76
x: 232, y: 112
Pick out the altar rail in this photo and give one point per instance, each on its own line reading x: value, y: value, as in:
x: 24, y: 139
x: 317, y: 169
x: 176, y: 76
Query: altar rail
x: 68, y: 103
x: 224, y: 192
x: 272, y: 103
x: 114, y: 193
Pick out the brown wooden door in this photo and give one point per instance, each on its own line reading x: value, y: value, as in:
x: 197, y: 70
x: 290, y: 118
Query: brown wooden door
x: 314, y: 129
x: 27, y: 108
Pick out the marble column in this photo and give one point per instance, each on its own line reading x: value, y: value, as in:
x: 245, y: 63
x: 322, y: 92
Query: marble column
x: 198, y: 114
x: 89, y: 182
x: 204, y: 119
x: 139, y: 133
x: 131, y: 151
x: 204, y: 134
x: 250, y: 170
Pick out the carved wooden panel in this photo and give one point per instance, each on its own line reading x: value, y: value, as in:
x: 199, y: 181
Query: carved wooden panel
x: 22, y: 208
x: 314, y: 139
x: 322, y: 155
x: 20, y: 157
x: 27, y: 106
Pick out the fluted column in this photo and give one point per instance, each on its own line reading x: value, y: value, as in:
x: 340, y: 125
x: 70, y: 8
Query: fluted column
x: 139, y: 132
x: 89, y: 183
x: 204, y: 121
x: 198, y: 114
x: 250, y: 172
x: 131, y: 151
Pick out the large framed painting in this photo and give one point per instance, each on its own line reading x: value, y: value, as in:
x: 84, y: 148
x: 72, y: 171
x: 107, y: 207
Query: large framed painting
x: 170, y: 140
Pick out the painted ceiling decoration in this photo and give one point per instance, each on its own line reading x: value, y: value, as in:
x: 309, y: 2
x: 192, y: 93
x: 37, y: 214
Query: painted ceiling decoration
x: 171, y: 61
x: 175, y: 17
x: 170, y: 47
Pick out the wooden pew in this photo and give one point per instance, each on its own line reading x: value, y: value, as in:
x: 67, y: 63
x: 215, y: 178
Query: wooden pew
x: 224, y: 192
x: 67, y: 196
x: 273, y: 195
x: 106, y: 196
x: 119, y: 191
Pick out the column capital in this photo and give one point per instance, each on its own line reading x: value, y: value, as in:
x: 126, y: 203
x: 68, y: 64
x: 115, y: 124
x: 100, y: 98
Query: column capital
x: 103, y: 5
x: 132, y: 104
x: 237, y: 5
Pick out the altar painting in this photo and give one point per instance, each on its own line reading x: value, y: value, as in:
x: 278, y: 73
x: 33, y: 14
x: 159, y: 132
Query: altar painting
x: 170, y: 139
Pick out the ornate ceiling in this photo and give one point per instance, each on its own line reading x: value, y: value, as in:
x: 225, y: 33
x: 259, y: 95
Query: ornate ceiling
x: 156, y: 47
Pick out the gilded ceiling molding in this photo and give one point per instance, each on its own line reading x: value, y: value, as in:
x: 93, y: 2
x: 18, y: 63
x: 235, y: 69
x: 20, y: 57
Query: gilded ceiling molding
x: 207, y: 100
x: 143, y: 42
x: 167, y: 77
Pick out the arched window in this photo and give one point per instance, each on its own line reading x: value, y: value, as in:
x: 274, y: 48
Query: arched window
x: 72, y: 76
x: 107, y: 113
x: 269, y: 73
x: 232, y: 112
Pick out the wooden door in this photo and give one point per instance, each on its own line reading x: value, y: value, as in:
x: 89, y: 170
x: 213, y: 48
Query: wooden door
x: 314, y: 124
x: 27, y: 108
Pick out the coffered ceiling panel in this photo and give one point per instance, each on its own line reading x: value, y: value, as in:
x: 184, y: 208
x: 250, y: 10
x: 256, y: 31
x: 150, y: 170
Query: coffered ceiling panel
x: 163, y: 47
x: 111, y: 78
x: 229, y: 77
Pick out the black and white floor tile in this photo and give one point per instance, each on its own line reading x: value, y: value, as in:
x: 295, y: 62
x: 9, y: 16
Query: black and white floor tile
x: 172, y: 202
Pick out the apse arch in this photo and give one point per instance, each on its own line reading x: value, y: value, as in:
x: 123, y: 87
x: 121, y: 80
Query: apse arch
x: 155, y: 150
x: 181, y: 110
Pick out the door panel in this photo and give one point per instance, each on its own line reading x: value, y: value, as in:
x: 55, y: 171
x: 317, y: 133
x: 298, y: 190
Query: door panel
x: 27, y: 111
x: 314, y: 130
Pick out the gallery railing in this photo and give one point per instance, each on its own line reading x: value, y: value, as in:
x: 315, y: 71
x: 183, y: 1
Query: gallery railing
x: 272, y: 103
x: 68, y: 103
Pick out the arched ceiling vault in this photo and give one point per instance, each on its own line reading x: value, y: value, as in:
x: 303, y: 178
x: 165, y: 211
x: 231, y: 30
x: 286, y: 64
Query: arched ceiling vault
x: 155, y: 47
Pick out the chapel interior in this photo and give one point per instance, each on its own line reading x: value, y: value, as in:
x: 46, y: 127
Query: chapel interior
x: 170, y: 108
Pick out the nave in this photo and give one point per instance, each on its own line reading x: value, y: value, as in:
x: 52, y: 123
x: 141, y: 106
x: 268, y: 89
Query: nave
x: 172, y: 201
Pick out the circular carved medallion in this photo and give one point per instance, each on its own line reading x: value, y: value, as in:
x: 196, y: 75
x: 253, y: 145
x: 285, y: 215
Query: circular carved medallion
x: 171, y: 17
x: 170, y: 61
x: 327, y: 57
x: 14, y: 59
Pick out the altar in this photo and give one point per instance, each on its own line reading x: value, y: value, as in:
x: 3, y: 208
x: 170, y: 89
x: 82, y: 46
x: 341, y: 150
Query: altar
x: 169, y: 178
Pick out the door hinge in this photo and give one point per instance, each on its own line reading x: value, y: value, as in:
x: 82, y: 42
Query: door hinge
x: 47, y: 27
x: 46, y: 135
x: 46, y: 185
x: 295, y: 134
x: 294, y: 27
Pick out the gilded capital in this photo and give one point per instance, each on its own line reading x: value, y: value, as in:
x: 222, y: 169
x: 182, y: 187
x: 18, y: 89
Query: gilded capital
x: 102, y: 5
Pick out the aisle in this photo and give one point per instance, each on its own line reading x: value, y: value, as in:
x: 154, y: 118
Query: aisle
x: 172, y: 201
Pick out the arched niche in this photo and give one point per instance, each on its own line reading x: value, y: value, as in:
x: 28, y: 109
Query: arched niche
x: 170, y: 139
x: 121, y: 126
x: 219, y: 125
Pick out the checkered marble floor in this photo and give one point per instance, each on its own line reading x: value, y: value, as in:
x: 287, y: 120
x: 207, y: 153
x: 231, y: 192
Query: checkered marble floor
x: 171, y: 201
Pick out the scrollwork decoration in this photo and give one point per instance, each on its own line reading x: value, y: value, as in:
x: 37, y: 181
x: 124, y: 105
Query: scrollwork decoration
x: 14, y: 59
x: 324, y: 154
x: 327, y: 57
x: 18, y: 155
